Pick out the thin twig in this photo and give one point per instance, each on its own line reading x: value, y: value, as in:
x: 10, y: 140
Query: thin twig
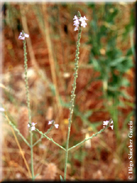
x: 50, y: 139
x: 73, y: 95
x: 42, y: 136
x: 80, y: 143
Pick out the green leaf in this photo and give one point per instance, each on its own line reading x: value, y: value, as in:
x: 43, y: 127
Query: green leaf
x: 64, y: 104
x: 117, y: 61
x: 95, y: 64
x: 88, y: 113
x: 52, y: 87
x: 125, y: 82
x: 84, y: 118
x: 126, y: 95
x: 95, y: 125
x: 91, y: 5
x: 80, y: 155
x: 125, y: 66
x: 129, y: 52
x: 93, y: 24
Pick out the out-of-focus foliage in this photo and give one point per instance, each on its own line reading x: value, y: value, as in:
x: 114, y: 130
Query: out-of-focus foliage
x: 105, y: 55
x: 11, y: 16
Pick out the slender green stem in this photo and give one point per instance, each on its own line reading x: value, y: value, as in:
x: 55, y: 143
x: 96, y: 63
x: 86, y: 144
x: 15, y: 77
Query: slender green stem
x: 80, y: 143
x: 31, y: 147
x: 72, y: 97
x: 50, y: 139
x: 38, y: 140
x: 28, y: 104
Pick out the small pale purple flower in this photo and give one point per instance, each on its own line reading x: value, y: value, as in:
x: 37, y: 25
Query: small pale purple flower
x: 75, y: 18
x: 76, y: 23
x: 50, y: 122
x: 2, y: 109
x: 32, y: 126
x: 22, y: 37
x: 76, y: 28
x: 105, y: 123
x: 83, y: 24
x: 78, y: 20
x: 111, y: 126
x: 83, y: 18
x: 56, y: 125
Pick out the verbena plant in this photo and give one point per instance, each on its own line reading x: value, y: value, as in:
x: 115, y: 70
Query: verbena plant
x: 79, y: 22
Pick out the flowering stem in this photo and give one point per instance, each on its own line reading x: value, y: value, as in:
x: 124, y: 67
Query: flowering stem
x: 72, y: 96
x: 28, y: 104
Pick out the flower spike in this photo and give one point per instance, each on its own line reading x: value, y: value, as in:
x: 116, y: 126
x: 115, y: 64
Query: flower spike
x: 22, y: 36
x: 52, y: 122
x: 32, y: 126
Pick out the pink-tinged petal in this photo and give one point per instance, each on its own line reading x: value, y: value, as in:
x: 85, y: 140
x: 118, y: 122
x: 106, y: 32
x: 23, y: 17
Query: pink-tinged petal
x: 76, y: 28
x: 75, y: 18
x: 2, y: 109
x: 85, y: 18
x: 21, y: 34
x: 111, y: 127
x: 81, y: 19
x: 32, y: 128
x: 33, y: 124
x: 83, y: 24
x: 50, y: 122
x: 21, y: 38
x: 56, y: 125
x: 105, y: 122
x: 26, y: 35
x: 111, y: 122
x: 76, y: 22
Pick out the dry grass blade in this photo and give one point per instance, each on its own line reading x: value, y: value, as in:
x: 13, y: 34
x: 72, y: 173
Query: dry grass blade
x: 21, y: 151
